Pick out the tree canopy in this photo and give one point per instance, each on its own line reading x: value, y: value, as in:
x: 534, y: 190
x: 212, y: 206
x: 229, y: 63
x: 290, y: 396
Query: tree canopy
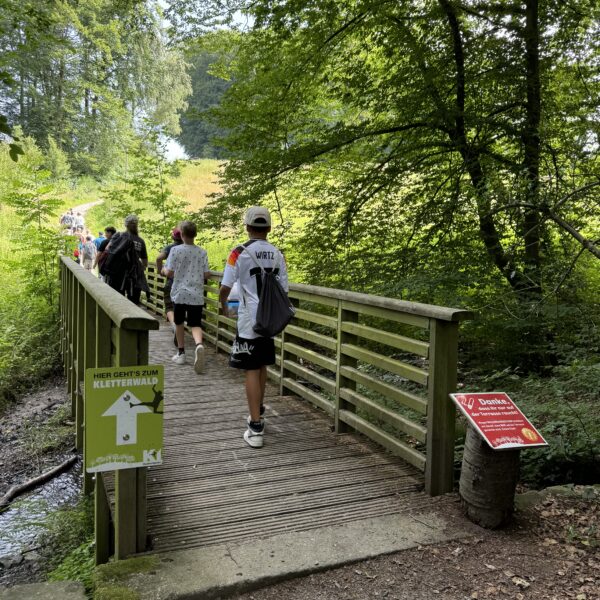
x: 83, y: 73
x: 453, y: 113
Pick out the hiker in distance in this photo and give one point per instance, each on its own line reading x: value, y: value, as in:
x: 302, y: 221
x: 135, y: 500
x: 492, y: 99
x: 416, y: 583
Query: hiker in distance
x: 126, y: 260
x: 168, y: 302
x: 187, y: 265
x: 251, y: 351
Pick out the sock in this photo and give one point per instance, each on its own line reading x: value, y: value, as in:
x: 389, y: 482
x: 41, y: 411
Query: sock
x: 256, y: 426
x: 181, y: 350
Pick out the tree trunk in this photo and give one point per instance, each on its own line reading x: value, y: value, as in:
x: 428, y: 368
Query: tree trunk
x: 487, y: 481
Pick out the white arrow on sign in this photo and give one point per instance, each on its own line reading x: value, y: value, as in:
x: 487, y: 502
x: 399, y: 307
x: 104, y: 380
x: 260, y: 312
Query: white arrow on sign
x: 126, y: 409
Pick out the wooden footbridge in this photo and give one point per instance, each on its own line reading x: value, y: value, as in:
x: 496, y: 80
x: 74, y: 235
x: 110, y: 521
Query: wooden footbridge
x: 358, y: 422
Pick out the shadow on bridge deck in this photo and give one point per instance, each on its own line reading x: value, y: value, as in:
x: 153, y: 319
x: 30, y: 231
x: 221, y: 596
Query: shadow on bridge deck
x: 212, y: 488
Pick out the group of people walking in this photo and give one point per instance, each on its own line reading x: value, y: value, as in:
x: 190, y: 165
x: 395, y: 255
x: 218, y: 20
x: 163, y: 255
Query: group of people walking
x: 122, y: 259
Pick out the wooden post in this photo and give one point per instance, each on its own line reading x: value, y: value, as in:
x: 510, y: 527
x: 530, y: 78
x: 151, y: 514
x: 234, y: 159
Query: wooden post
x: 443, y: 348
x: 103, y: 338
x: 342, y: 360
x: 73, y: 342
x: 130, y: 487
x: 283, y: 355
x: 101, y: 522
x: 125, y: 513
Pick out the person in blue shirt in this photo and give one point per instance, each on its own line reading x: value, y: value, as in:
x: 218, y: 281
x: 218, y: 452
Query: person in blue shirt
x: 98, y: 241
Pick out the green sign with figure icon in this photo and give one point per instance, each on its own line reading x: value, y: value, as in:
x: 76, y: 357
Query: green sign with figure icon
x: 123, y: 409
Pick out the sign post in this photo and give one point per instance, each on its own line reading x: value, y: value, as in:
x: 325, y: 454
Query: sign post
x: 490, y: 467
x: 123, y: 417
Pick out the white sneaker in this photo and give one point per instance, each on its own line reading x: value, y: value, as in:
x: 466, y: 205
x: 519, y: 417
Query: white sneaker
x: 179, y: 359
x: 254, y: 438
x: 199, y: 359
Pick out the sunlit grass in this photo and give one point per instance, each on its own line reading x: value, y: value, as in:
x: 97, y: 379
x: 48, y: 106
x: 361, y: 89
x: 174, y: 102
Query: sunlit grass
x: 197, y: 180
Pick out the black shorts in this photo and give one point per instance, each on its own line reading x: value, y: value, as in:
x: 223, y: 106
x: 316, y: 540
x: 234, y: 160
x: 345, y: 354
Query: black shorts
x: 252, y: 354
x: 190, y: 313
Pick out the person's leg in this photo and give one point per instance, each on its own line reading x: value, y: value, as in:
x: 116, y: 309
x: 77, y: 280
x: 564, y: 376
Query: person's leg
x: 254, y: 393
x: 195, y: 323
x: 179, y: 317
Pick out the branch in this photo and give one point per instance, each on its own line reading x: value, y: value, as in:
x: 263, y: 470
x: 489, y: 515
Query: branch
x: 589, y: 245
x: 17, y: 490
x: 576, y: 192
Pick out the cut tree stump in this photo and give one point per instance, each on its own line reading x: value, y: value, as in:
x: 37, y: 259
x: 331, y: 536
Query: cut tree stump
x: 487, y: 482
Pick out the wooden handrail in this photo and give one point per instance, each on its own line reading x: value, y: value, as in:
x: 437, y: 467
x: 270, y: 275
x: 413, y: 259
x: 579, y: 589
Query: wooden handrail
x: 123, y: 313
x: 101, y: 328
x: 413, y: 308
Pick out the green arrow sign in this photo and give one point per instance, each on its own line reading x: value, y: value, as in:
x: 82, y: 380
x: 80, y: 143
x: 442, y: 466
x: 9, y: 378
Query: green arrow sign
x: 123, y: 417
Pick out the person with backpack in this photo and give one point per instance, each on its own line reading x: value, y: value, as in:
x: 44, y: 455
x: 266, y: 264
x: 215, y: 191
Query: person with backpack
x: 187, y: 265
x: 126, y: 260
x: 168, y: 302
x: 88, y: 253
x: 101, y: 254
x: 254, y: 265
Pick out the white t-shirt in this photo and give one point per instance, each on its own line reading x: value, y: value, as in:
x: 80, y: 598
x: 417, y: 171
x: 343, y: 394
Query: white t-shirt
x: 189, y: 262
x: 241, y: 268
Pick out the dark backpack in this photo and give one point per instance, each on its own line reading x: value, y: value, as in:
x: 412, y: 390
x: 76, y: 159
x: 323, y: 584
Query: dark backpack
x: 274, y: 310
x: 118, y: 256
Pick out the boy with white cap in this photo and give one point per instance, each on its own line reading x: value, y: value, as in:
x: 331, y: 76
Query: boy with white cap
x: 250, y: 351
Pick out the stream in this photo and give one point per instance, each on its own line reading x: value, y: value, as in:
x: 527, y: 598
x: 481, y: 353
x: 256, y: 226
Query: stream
x: 23, y: 522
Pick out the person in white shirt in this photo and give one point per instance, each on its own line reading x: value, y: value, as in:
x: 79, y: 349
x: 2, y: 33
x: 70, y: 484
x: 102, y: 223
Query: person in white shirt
x: 249, y: 351
x: 187, y: 265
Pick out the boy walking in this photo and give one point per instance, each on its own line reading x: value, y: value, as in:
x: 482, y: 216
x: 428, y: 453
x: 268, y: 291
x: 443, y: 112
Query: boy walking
x: 187, y: 265
x: 251, y: 352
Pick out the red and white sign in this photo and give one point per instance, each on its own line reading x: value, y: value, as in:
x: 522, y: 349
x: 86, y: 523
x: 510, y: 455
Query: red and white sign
x: 498, y: 420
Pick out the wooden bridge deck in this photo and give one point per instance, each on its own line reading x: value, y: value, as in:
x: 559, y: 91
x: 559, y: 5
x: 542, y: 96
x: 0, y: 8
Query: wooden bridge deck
x: 213, y: 488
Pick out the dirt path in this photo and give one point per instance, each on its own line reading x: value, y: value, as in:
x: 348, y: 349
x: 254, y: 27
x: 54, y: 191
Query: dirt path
x: 550, y: 553
x: 83, y: 208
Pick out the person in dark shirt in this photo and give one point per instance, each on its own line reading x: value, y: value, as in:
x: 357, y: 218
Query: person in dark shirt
x: 164, y: 254
x: 131, y: 280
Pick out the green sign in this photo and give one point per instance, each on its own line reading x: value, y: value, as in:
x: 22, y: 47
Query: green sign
x: 123, y: 417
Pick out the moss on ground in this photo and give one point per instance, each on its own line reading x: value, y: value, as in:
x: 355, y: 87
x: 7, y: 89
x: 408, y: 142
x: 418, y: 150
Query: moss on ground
x: 110, y: 577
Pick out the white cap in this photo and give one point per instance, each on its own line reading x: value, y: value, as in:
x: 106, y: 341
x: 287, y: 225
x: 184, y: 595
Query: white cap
x: 257, y: 216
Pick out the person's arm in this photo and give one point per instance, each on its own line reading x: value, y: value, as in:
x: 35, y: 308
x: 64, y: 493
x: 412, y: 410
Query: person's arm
x: 144, y: 255
x: 159, y: 262
x: 169, y: 268
x: 224, y: 292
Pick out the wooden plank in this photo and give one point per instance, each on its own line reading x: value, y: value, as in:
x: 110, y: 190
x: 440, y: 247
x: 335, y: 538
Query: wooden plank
x: 311, y: 356
x: 309, y: 395
x: 387, y: 313
x: 308, y: 297
x: 388, y: 364
x: 408, y: 399
x: 385, y: 414
x: 227, y: 320
x: 441, y: 413
x: 313, y: 317
x: 327, y: 384
x: 414, y: 457
x: 389, y: 339
x: 311, y: 336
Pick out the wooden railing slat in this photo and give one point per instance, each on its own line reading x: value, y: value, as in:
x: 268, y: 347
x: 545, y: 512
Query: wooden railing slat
x: 389, y: 339
x: 388, y: 364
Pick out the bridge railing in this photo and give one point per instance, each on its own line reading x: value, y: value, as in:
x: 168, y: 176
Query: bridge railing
x: 380, y: 366
x: 101, y: 328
